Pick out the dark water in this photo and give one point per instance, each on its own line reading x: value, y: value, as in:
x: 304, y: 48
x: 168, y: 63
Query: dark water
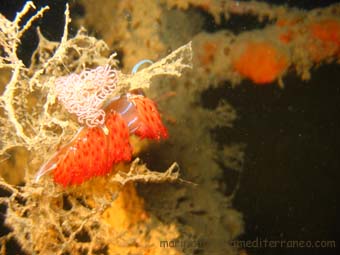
x: 289, y: 183
x: 292, y: 163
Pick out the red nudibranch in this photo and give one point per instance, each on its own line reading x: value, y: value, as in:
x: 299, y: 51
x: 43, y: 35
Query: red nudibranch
x: 95, y: 149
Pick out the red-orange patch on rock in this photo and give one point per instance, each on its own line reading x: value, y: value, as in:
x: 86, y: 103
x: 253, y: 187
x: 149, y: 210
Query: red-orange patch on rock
x: 327, y: 30
x: 327, y: 33
x: 261, y: 62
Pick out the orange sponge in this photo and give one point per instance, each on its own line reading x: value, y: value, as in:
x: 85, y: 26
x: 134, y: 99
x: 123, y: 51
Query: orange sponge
x: 260, y: 61
x: 327, y: 33
x: 327, y: 30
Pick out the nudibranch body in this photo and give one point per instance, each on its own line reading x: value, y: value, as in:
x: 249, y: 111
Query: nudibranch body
x: 94, y: 150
